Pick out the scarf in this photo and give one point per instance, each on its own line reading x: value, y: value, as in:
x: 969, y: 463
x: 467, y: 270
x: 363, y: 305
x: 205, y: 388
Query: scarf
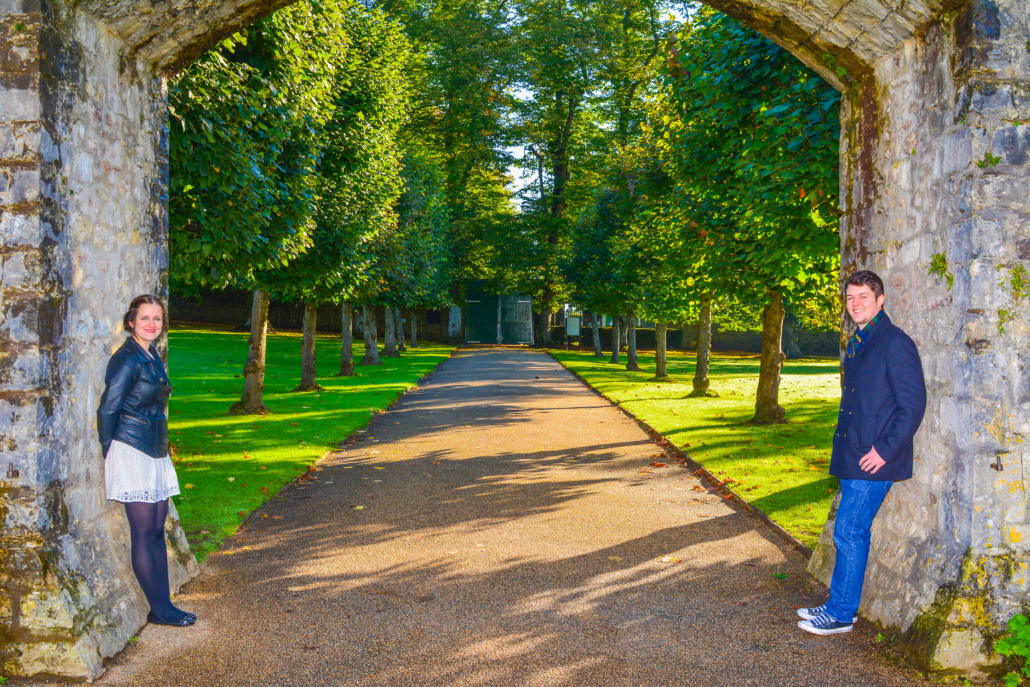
x: 856, y: 342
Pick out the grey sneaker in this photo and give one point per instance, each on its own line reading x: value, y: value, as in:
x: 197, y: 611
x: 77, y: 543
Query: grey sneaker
x: 824, y: 625
x: 809, y: 613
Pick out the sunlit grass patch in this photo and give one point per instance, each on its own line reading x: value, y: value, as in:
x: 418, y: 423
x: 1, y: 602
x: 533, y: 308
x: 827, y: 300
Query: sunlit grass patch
x: 783, y: 470
x: 233, y: 464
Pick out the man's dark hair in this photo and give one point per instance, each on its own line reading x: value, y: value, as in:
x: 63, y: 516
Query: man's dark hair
x: 865, y: 278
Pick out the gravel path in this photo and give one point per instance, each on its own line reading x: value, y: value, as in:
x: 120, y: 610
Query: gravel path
x: 500, y: 526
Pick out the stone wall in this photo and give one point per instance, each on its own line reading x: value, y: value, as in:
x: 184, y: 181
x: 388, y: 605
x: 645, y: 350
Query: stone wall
x: 935, y: 163
x: 82, y: 215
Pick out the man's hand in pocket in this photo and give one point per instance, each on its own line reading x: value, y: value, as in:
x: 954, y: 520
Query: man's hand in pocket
x: 871, y: 462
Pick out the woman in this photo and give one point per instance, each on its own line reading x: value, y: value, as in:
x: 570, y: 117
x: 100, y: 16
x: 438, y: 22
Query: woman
x: 134, y: 435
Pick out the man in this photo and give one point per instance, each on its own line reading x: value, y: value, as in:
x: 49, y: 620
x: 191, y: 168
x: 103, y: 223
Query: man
x: 882, y: 403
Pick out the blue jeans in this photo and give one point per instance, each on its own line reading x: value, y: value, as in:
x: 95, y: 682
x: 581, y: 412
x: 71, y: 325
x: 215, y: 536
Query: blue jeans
x: 860, y: 499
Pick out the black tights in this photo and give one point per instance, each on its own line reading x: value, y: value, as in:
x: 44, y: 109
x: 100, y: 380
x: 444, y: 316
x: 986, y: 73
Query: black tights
x: 150, y: 556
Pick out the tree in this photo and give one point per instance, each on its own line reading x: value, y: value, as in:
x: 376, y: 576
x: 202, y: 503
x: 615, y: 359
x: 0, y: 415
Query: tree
x: 460, y: 123
x: 347, y: 336
x: 751, y: 142
x: 245, y: 140
x: 358, y: 177
x: 371, y: 356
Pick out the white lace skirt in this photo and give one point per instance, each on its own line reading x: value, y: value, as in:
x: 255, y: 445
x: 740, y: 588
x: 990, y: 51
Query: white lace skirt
x: 132, y: 476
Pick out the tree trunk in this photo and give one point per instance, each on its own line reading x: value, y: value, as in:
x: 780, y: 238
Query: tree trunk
x: 598, y: 353
x: 790, y: 341
x: 308, y: 369
x: 544, y: 327
x: 399, y: 316
x: 615, y: 338
x: 704, y: 351
x: 454, y: 325
x: 371, y: 336
x: 414, y: 329
x: 767, y: 407
x: 390, y: 335
x: 631, y: 343
x: 661, y: 371
x: 252, y: 401
x: 683, y: 337
x: 347, y: 336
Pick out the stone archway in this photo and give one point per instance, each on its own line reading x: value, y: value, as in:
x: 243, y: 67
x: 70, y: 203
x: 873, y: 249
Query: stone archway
x: 935, y: 161
x: 932, y: 88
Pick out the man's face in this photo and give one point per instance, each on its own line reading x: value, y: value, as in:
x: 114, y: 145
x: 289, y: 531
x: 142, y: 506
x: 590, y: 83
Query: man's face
x: 863, y: 304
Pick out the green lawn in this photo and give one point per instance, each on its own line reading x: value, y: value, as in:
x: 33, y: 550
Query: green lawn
x: 783, y: 470
x: 231, y: 465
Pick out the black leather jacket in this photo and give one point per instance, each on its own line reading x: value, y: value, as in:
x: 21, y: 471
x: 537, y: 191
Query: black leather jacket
x: 132, y: 409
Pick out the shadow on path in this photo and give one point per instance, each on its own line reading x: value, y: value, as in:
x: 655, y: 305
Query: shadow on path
x: 500, y: 526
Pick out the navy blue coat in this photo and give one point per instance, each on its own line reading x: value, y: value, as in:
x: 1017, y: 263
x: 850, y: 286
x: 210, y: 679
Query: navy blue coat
x: 882, y: 404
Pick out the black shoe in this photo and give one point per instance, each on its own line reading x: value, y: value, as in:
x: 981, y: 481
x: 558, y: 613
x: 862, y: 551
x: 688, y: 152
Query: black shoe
x: 191, y: 616
x: 185, y: 621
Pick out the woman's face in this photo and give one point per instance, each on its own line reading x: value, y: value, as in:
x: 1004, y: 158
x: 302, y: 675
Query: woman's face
x: 148, y: 323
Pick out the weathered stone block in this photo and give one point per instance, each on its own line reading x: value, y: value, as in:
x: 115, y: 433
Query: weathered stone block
x: 47, y: 611
x: 1012, y: 144
x: 61, y: 659
x: 19, y: 318
x: 18, y: 184
x: 18, y: 141
x: 23, y: 369
x: 20, y: 229
x: 20, y: 104
x: 987, y: 239
x: 981, y: 285
x: 962, y: 650
x: 20, y: 270
x: 992, y: 100
x: 958, y: 152
x: 1017, y: 535
x: 1002, y: 192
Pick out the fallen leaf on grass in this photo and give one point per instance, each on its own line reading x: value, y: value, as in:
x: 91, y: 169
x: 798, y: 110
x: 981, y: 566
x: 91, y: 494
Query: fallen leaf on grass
x: 812, y: 468
x: 264, y: 490
x: 358, y: 507
x: 242, y: 513
x: 188, y: 486
x: 232, y: 479
x: 293, y: 423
